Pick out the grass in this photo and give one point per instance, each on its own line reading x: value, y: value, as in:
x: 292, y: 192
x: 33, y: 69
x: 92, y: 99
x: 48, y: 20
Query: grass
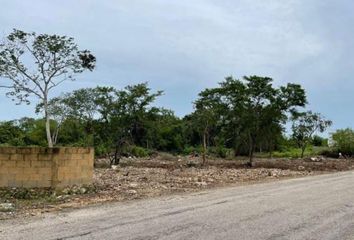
x: 294, y: 152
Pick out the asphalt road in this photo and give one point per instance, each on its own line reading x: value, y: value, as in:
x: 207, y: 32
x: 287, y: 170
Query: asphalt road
x: 320, y: 207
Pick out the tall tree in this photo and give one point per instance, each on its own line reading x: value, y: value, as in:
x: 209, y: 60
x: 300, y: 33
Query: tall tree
x: 34, y: 64
x: 126, y: 115
x: 252, y: 105
x: 305, y: 125
x: 206, y: 116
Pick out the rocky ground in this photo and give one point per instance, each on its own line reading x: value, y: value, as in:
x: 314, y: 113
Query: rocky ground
x: 141, y: 178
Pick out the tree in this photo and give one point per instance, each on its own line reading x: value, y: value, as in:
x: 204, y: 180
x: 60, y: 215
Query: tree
x: 305, y: 125
x: 82, y: 106
x: 319, y: 141
x: 34, y: 64
x: 267, y: 106
x: 132, y: 109
x: 126, y: 116
x: 34, y: 129
x: 11, y: 133
x: 252, y: 107
x: 164, y: 131
x: 59, y: 111
x: 232, y: 95
x: 206, y: 116
x: 343, y: 141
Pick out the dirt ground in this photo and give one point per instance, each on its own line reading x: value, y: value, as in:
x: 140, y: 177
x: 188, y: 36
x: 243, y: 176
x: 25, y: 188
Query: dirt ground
x: 165, y: 174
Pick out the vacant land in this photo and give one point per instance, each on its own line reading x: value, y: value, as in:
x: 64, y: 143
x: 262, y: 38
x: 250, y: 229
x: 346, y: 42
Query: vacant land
x: 165, y: 174
x: 315, y: 207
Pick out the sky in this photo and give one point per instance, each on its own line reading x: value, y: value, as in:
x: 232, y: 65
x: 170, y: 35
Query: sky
x: 185, y: 46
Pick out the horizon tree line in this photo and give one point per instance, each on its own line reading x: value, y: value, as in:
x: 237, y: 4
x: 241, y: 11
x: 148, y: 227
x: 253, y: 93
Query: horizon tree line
x: 239, y: 114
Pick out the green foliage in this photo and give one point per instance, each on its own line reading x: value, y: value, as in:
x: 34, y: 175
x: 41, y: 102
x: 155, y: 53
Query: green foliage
x: 220, y: 152
x: 139, y: 151
x: 239, y: 117
x: 191, y: 150
x: 34, y: 64
x: 295, y: 153
x: 305, y: 125
x: 101, y: 150
x: 246, y: 112
x: 343, y: 141
x: 27, y: 194
x: 56, y: 58
x: 319, y: 141
x: 11, y: 134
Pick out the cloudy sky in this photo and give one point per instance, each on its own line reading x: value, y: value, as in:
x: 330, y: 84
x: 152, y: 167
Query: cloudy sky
x: 184, y: 46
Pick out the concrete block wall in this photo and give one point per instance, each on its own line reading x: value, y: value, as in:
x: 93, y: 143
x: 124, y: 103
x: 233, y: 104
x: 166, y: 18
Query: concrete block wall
x: 33, y: 167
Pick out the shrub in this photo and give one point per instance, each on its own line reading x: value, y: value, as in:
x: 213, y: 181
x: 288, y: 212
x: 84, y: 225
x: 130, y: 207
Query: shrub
x: 319, y: 141
x: 219, y: 151
x: 343, y: 141
x: 190, y: 150
x: 101, y: 150
x: 293, y: 153
x: 139, y: 151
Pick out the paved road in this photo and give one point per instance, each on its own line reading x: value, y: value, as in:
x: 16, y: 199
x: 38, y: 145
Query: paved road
x: 320, y: 207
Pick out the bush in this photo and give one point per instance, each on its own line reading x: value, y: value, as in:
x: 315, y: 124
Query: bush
x: 294, y: 153
x: 219, y: 151
x: 343, y: 141
x: 319, y: 141
x: 101, y: 150
x: 190, y: 150
x: 139, y: 151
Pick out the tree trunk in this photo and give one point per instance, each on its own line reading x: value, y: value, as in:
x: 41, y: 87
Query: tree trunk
x: 251, y: 163
x: 116, y: 157
x: 303, y: 148
x: 271, y: 147
x: 89, y: 133
x: 251, y: 151
x: 55, y: 135
x: 204, y: 147
x: 236, y: 149
x: 47, y: 124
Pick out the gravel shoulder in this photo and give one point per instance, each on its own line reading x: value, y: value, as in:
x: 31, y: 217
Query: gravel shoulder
x: 315, y: 207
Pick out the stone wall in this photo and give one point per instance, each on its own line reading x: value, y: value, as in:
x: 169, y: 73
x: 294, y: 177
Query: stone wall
x: 32, y: 167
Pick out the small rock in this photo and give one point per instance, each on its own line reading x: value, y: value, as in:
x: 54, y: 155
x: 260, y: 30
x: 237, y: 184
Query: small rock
x: 133, y: 185
x: 132, y: 192
x: 202, y: 184
x: 192, y: 164
x: 6, y: 207
x: 83, y: 190
x: 114, y: 167
x: 316, y: 159
x: 301, y: 168
x: 66, y: 191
